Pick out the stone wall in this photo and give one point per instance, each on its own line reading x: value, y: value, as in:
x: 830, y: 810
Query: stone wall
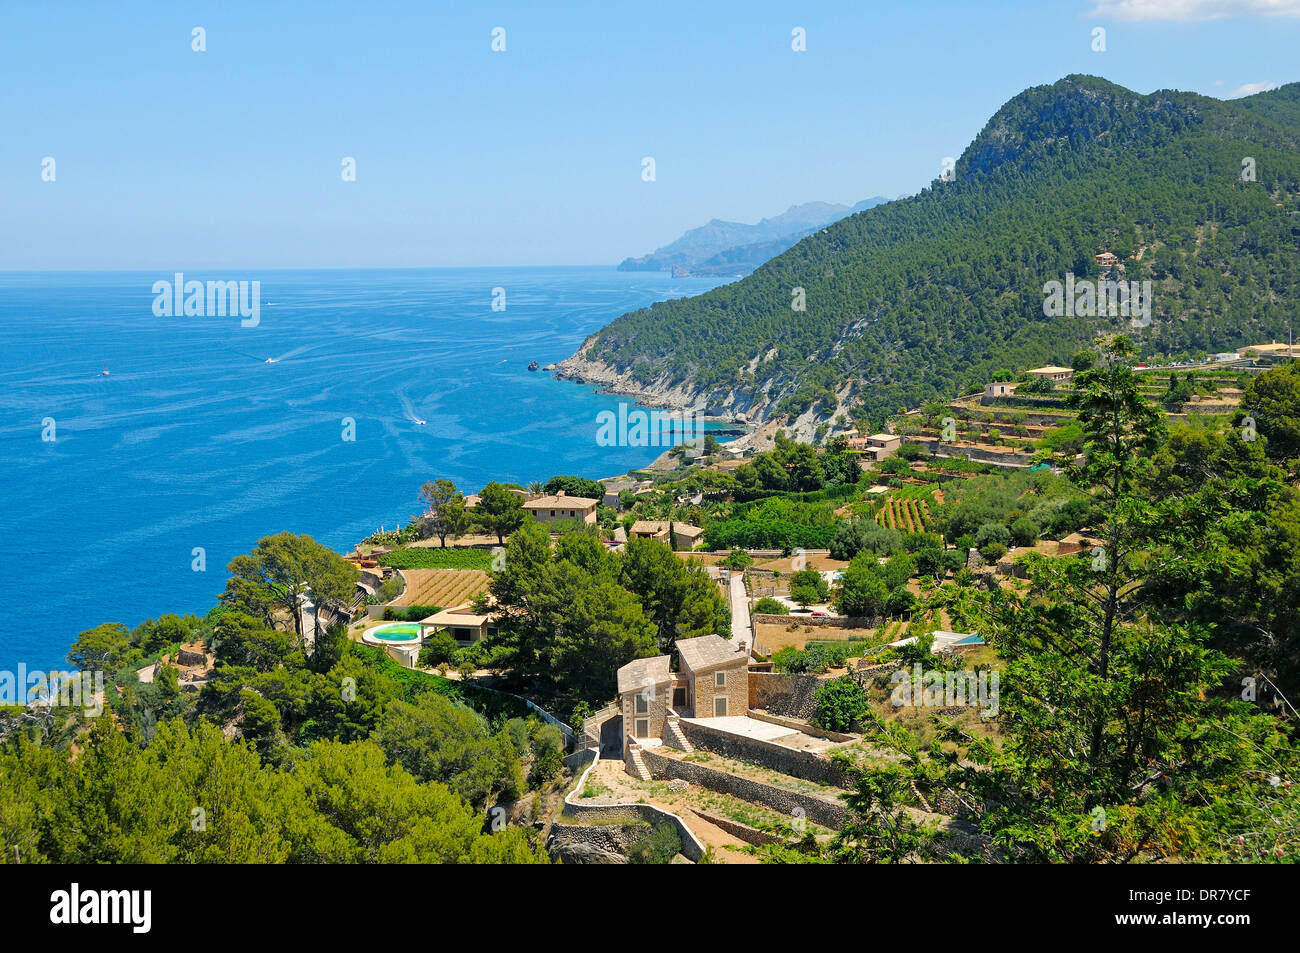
x: 604, y: 815
x: 750, y: 835
x: 590, y: 843
x: 845, y: 621
x: 789, y: 696
x: 792, y: 761
x: 619, y: 815
x: 793, y: 804
x: 974, y: 453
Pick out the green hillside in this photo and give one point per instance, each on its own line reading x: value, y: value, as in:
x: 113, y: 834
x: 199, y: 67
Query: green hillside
x: 923, y: 297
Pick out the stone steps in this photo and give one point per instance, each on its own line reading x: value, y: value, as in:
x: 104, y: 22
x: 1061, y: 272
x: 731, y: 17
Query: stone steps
x: 674, y: 737
x: 634, y: 764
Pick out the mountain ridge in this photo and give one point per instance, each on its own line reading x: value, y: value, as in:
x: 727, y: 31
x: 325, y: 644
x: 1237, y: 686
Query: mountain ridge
x: 924, y: 297
x: 722, y: 244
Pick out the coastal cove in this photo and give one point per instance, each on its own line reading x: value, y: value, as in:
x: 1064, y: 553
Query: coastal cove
x: 178, y: 442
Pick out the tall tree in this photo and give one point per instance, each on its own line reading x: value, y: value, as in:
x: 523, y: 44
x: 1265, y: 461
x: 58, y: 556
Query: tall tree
x: 282, y: 572
x: 499, y: 511
x: 445, y: 514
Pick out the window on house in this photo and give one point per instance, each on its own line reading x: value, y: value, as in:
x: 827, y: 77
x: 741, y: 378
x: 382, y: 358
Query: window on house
x: 642, y: 728
x: 642, y: 705
x: 720, y: 679
x: 720, y: 706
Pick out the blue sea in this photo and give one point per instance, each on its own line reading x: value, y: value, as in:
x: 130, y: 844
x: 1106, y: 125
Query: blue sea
x: 192, y: 441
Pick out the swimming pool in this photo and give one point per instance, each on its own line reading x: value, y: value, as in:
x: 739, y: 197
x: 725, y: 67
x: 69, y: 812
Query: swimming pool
x: 393, y: 632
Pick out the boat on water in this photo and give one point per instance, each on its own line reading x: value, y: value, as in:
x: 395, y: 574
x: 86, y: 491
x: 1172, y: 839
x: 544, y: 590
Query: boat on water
x: 270, y: 360
x: 104, y: 372
x: 419, y: 423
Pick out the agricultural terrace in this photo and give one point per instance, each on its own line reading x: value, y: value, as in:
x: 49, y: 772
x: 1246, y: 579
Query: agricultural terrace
x: 442, y: 587
x: 425, y: 557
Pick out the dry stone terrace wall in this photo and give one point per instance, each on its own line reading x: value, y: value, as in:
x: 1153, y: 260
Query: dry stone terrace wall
x: 842, y: 621
x: 793, y: 804
x: 798, y: 764
x: 605, y: 815
x: 975, y: 454
x: 789, y: 696
x: 618, y: 815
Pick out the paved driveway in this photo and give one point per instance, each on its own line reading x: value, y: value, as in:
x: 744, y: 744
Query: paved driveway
x: 741, y: 630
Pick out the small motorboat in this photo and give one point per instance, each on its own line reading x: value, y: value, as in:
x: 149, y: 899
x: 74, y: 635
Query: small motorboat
x: 270, y: 360
x: 419, y: 423
x: 532, y: 366
x: 104, y: 372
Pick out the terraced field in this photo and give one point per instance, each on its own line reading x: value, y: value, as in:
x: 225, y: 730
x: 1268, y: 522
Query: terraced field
x: 442, y: 587
x: 903, y: 511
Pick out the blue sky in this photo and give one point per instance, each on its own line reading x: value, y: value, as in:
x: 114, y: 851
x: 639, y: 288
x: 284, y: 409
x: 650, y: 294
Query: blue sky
x: 231, y: 158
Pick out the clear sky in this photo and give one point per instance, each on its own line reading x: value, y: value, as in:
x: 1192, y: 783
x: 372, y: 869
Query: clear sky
x: 170, y: 158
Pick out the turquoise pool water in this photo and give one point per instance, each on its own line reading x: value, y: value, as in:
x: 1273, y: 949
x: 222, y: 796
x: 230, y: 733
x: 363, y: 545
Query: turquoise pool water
x: 396, y: 632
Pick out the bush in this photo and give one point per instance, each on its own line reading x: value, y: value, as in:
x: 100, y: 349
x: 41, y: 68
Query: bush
x: 439, y: 650
x: 409, y: 613
x: 993, y: 533
x: 817, y: 658
x: 992, y: 552
x: 548, y: 754
x: 804, y: 595
x: 839, y: 704
x: 770, y: 606
x: 813, y: 580
x: 1025, y: 531
x: 738, y: 559
x: 659, y: 846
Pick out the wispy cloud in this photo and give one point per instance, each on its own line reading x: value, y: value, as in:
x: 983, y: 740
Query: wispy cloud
x: 1191, y: 10
x: 1250, y: 89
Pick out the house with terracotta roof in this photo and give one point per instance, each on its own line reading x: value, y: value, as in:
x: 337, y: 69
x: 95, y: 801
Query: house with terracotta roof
x: 712, y: 682
x: 1051, y: 372
x: 678, y: 535
x: 463, y: 623
x: 562, y: 507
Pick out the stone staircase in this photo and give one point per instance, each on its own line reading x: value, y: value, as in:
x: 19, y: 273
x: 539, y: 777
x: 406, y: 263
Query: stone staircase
x: 633, y: 763
x: 674, y: 737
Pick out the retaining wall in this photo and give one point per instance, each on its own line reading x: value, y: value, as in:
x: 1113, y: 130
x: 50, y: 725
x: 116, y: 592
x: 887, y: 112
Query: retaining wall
x: 827, y: 813
x: 786, y: 695
x: 792, y: 761
x: 609, y: 814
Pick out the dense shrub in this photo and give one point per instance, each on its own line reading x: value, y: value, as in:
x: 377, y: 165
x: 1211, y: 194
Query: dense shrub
x: 839, y: 704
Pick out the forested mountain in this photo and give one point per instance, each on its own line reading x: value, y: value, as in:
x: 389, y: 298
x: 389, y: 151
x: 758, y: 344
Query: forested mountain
x: 920, y: 298
x: 735, y: 248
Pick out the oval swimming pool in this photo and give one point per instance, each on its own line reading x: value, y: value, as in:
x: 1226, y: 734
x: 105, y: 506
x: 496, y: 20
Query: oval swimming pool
x: 394, y: 632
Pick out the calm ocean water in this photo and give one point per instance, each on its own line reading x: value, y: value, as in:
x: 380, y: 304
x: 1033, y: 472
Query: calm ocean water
x: 192, y: 440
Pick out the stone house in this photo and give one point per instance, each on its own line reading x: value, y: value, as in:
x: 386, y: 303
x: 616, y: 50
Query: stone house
x: 645, y: 694
x: 551, y: 509
x: 679, y: 535
x: 716, y: 671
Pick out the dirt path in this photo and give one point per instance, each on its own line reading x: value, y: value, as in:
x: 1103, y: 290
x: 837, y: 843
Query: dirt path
x: 726, y: 847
